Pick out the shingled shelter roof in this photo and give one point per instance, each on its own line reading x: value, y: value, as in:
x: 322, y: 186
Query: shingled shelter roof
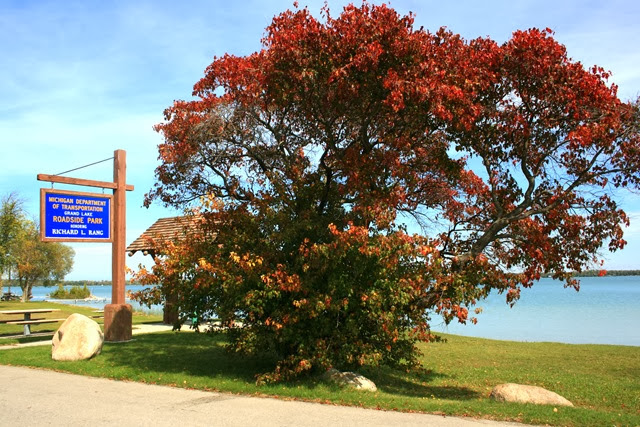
x: 164, y: 229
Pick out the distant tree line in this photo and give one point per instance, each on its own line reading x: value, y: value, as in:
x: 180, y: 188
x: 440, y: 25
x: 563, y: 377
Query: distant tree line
x: 94, y: 283
x: 596, y: 273
x: 80, y: 283
x: 87, y: 282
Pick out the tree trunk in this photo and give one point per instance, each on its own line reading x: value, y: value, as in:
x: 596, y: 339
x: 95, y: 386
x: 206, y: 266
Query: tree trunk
x: 26, y: 291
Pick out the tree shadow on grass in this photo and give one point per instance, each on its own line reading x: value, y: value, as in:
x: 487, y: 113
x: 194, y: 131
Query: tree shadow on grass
x: 189, y: 353
x: 20, y: 338
x: 204, y: 355
x: 418, y: 384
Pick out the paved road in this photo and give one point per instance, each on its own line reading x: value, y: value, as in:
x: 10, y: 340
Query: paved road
x: 31, y: 397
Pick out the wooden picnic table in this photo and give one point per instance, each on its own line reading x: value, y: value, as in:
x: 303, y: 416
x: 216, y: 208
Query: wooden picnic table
x: 27, y: 320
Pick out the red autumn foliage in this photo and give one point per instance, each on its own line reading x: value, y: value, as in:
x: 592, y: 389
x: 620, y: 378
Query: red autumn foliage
x: 312, y: 158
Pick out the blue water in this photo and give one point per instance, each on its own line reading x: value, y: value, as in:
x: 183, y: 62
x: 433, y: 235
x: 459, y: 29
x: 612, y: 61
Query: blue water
x: 605, y: 311
x: 102, y: 293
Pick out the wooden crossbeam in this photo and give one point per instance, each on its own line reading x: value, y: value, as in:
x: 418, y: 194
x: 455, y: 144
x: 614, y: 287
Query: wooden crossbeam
x: 80, y: 181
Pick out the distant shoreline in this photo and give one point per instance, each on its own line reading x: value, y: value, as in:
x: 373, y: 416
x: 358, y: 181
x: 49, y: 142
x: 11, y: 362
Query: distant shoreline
x: 597, y: 273
x: 91, y: 298
x: 588, y: 273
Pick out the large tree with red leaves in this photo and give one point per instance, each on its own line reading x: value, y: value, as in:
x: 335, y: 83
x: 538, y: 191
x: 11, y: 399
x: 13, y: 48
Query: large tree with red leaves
x: 311, y: 159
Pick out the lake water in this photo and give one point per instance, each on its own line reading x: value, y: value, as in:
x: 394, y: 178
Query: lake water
x: 101, y: 293
x: 605, y: 311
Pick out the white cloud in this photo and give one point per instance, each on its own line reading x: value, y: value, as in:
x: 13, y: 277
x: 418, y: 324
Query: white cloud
x: 633, y: 231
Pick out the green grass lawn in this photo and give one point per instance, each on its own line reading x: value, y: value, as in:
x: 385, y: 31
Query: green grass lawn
x: 9, y: 334
x: 602, y: 381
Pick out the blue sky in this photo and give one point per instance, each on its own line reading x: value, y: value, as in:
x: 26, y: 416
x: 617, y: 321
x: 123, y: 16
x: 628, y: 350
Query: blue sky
x: 80, y: 79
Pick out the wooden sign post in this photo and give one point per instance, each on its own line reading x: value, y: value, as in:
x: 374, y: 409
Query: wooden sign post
x: 76, y: 224
x: 118, y: 315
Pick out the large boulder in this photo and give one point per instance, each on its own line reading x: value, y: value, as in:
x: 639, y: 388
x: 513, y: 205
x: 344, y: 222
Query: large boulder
x: 78, y: 338
x: 350, y: 379
x: 527, y: 394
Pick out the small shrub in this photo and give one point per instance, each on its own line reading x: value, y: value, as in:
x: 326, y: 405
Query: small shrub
x: 75, y: 292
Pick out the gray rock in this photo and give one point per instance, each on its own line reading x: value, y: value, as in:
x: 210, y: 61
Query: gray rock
x: 350, y: 379
x: 527, y: 394
x: 78, y: 338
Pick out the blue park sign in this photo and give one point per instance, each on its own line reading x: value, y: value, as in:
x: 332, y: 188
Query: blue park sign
x: 73, y: 216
